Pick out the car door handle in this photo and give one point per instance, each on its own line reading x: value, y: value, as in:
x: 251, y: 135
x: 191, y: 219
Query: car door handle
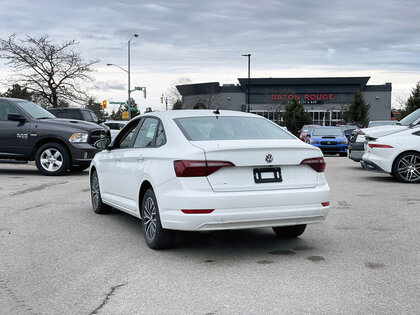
x: 140, y: 158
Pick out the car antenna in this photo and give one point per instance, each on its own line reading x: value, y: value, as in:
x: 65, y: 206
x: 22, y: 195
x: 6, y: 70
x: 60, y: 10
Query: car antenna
x: 216, y: 111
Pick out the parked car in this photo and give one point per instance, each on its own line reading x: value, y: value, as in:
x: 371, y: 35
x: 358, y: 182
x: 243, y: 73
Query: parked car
x: 397, y: 154
x: 356, y: 147
x: 348, y: 129
x: 115, y: 127
x: 79, y: 114
x: 30, y: 133
x: 209, y: 170
x: 329, y: 140
x: 306, y: 129
x: 376, y: 123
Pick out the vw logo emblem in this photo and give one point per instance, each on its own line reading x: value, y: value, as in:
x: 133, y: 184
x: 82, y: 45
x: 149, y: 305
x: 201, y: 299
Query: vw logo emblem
x: 268, y: 158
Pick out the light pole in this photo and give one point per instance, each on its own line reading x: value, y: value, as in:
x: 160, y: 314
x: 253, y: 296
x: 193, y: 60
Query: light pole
x: 128, y: 72
x: 129, y: 91
x: 249, y: 78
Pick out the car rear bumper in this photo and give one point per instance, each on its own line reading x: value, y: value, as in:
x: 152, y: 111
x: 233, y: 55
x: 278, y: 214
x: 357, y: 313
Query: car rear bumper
x: 355, y: 151
x: 242, y: 210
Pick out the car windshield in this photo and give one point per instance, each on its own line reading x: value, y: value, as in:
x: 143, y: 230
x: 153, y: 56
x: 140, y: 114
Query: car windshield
x: 35, y: 110
x: 94, y: 117
x: 410, y: 119
x: 306, y: 129
x: 328, y: 132
x: 230, y: 128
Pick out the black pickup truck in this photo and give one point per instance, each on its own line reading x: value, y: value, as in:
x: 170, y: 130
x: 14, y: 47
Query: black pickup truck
x: 30, y: 133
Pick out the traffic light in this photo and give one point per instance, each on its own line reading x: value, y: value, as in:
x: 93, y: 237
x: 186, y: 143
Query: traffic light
x: 161, y: 99
x: 144, y: 92
x: 103, y: 104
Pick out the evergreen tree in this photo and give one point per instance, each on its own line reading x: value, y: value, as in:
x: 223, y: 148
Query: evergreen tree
x: 295, y: 116
x: 134, y: 109
x: 358, y: 111
x: 413, y: 102
x: 96, y: 107
x: 16, y: 91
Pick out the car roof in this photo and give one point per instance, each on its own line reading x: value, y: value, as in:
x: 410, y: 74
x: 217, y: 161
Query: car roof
x: 12, y: 99
x: 195, y: 113
x: 329, y: 127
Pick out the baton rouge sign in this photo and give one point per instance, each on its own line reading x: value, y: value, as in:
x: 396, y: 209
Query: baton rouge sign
x: 302, y: 97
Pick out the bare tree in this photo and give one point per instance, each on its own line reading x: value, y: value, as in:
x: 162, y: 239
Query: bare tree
x: 53, y: 72
x: 172, y: 92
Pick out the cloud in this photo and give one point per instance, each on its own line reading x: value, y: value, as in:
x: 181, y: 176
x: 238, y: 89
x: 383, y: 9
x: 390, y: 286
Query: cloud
x: 188, y: 38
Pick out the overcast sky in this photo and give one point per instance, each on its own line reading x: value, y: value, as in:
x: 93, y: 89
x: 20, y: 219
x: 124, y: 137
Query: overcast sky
x: 204, y: 40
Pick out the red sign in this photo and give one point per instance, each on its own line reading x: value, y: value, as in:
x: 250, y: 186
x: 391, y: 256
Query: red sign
x: 302, y: 97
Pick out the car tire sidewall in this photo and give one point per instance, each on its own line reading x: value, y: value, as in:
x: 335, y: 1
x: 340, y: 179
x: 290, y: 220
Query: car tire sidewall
x: 163, y: 238
x: 101, y: 208
x: 395, y: 171
x: 64, y: 153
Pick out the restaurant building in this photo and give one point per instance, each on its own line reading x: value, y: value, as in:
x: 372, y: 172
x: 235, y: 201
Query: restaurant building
x: 325, y: 99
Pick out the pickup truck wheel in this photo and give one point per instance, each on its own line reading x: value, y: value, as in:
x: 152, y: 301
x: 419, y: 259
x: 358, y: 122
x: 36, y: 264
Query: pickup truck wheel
x: 78, y: 168
x: 52, y: 159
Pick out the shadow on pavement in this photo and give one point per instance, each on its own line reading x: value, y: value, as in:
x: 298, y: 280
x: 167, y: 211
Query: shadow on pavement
x: 222, y: 243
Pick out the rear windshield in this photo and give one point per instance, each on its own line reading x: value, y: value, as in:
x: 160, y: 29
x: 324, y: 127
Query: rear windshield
x: 327, y: 132
x: 381, y: 123
x: 230, y: 128
x: 410, y: 119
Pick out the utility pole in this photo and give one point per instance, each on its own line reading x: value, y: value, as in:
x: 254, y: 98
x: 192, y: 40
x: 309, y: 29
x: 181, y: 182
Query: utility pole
x: 248, y: 105
x: 129, y: 90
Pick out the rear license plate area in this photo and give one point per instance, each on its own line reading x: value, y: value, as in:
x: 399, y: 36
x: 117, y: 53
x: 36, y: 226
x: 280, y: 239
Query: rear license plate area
x: 267, y: 175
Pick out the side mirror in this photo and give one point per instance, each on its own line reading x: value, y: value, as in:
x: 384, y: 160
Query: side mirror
x: 308, y: 135
x: 15, y: 117
x: 102, y: 144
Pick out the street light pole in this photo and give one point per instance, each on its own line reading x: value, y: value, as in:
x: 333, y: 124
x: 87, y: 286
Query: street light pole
x: 129, y: 89
x: 249, y: 79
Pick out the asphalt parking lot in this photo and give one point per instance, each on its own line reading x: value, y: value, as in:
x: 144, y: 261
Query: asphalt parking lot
x: 58, y: 257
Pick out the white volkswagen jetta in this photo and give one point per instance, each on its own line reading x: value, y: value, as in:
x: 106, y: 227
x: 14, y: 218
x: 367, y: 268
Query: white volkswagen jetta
x: 208, y: 170
x: 397, y: 154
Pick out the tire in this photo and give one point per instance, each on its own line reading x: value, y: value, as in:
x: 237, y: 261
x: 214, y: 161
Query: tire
x: 156, y: 237
x: 78, y: 168
x: 95, y: 196
x: 406, y: 167
x: 289, y: 231
x: 52, y: 159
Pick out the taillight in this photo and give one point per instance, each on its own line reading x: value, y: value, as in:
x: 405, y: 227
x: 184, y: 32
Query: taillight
x: 325, y: 204
x: 198, y: 168
x: 318, y: 164
x: 374, y: 145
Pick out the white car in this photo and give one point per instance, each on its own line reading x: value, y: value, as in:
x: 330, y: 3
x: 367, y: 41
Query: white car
x: 397, y: 154
x: 204, y: 170
x: 115, y: 127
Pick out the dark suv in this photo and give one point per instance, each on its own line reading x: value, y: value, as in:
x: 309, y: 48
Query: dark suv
x: 30, y: 133
x: 79, y: 114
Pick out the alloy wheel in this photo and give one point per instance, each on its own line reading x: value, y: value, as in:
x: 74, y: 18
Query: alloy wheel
x: 95, y: 192
x: 149, y: 218
x: 51, y: 159
x: 409, y: 168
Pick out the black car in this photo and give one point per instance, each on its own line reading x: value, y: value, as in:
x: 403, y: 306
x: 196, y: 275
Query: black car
x: 30, y: 133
